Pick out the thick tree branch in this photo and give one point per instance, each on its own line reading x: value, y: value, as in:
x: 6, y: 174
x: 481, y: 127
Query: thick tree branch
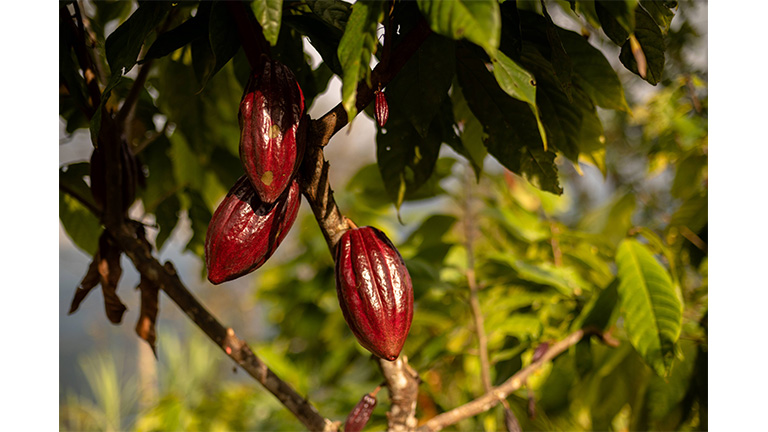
x: 497, y: 394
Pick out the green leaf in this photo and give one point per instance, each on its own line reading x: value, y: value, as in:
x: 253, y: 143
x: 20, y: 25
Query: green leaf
x: 561, y: 62
x: 355, y: 49
x: 405, y: 159
x: 324, y: 37
x: 470, y: 132
x: 166, y: 216
x: 478, y: 21
x: 593, y: 72
x: 199, y: 215
x: 518, y: 83
x: 599, y: 312
x: 223, y: 37
x: 651, y: 41
x: 513, y: 134
x: 79, y: 223
x: 613, y: 219
x: 617, y: 18
x: 661, y: 12
x: 565, y: 280
x: 269, y: 14
x: 124, y: 44
x: 334, y: 12
x: 183, y: 34
x: 423, y: 83
x: 652, y: 307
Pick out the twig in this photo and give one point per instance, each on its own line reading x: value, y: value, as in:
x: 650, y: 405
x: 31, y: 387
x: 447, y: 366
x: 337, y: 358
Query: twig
x: 83, y: 58
x: 490, y: 399
x: 474, y: 302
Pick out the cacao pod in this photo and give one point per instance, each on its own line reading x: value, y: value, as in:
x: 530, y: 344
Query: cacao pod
x: 128, y: 176
x: 375, y: 291
x: 360, y: 414
x: 381, y: 111
x: 245, y: 231
x: 269, y: 116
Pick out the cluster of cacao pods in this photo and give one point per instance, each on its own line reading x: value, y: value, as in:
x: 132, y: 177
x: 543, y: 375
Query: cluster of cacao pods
x: 373, y: 285
x: 259, y: 210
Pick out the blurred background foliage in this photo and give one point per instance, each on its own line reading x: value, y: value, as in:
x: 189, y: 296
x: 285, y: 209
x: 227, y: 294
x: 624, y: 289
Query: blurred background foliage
x: 546, y: 264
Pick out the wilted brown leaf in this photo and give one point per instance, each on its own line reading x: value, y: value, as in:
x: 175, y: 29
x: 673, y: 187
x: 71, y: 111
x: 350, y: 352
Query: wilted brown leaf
x: 145, y: 327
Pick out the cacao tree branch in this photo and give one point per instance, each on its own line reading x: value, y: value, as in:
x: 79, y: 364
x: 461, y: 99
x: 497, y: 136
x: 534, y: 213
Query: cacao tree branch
x: 336, y: 118
x: 497, y: 394
x: 166, y: 278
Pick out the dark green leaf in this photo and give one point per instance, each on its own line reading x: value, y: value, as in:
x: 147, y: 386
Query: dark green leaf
x: 183, y: 34
x: 423, y: 83
x: 617, y: 18
x: 223, y: 38
x: 166, y: 216
x: 269, y: 13
x: 334, y: 12
x: 593, y: 73
x: 688, y: 176
x: 513, y: 135
x: 599, y: 312
x: 478, y: 21
x: 470, y: 132
x: 692, y: 213
x: 356, y: 47
x: 651, y: 42
x: 661, y: 12
x: 199, y: 215
x: 324, y: 37
x: 405, y: 159
x: 652, y: 307
x: 123, y: 45
x: 561, y: 62
x: 161, y: 183
x: 79, y: 223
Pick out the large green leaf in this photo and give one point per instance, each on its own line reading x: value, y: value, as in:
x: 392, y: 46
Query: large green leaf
x: 513, y: 134
x: 651, y: 41
x: 651, y: 305
x: 593, y: 72
x: 477, y: 21
x: 324, y: 37
x: 405, y: 159
x: 355, y: 49
x: 423, y: 82
x: 617, y: 18
x: 661, y: 12
x: 123, y: 45
x: 518, y: 83
x: 79, y: 223
x: 470, y: 132
x: 168, y: 42
x: 269, y: 14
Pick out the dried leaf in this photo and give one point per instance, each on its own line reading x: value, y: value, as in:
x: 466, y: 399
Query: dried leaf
x: 90, y: 281
x: 110, y: 272
x: 145, y: 327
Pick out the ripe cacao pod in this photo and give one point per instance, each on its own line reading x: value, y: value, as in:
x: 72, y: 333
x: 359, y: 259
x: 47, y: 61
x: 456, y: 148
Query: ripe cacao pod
x: 360, y: 414
x: 245, y: 231
x: 375, y: 291
x: 270, y: 112
x: 381, y: 109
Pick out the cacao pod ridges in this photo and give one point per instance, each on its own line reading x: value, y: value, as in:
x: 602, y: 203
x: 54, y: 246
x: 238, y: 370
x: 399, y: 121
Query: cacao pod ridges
x: 270, y: 112
x: 375, y: 291
x: 245, y: 231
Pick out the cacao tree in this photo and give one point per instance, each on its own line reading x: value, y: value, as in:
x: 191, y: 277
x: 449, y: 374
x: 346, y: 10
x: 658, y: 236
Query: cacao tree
x: 528, y: 251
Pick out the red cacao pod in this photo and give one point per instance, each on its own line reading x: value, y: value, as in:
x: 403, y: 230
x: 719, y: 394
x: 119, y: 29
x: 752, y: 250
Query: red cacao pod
x: 245, y: 231
x: 360, y: 414
x: 381, y: 111
x: 270, y: 111
x: 375, y: 291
